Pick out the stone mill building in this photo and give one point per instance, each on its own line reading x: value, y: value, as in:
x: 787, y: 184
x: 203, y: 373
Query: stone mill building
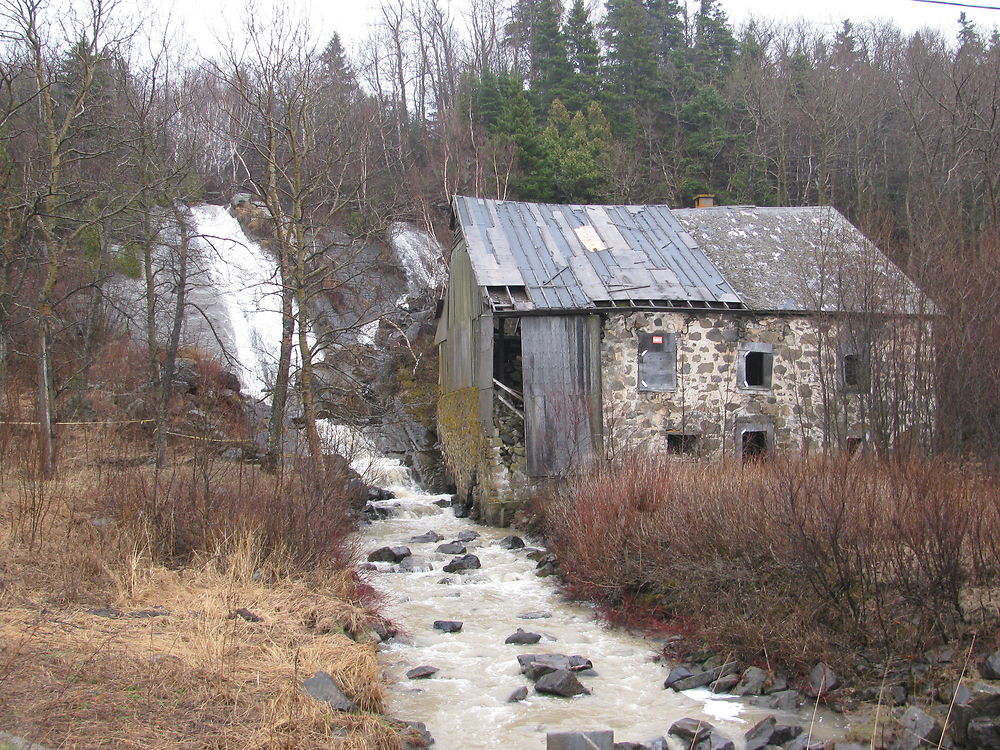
x: 573, y: 331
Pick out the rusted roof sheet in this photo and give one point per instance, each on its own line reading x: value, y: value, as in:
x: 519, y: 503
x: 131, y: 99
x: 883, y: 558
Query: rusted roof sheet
x: 805, y: 259
x: 543, y: 256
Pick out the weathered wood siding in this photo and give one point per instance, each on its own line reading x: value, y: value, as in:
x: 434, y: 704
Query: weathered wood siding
x: 561, y: 358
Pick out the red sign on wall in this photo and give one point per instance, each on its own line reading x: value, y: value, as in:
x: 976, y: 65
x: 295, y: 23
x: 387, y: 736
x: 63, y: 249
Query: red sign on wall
x: 657, y: 339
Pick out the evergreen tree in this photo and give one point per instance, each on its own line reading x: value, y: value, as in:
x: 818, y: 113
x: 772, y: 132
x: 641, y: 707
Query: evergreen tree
x: 631, y: 68
x: 715, y: 46
x: 584, y: 56
x: 537, y: 26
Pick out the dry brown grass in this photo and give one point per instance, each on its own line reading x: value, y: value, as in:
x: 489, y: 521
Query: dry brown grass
x: 194, y: 677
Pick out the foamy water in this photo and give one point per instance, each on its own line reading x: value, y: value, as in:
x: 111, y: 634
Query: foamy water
x: 465, y: 704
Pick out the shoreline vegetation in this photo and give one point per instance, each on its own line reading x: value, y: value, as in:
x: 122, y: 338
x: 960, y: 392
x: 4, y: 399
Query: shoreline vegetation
x: 884, y: 571
x: 192, y: 618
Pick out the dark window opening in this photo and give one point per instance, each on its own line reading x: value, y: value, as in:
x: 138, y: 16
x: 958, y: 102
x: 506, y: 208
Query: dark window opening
x: 853, y: 372
x: 854, y: 444
x: 754, y: 445
x: 507, y: 353
x: 681, y: 444
x: 757, y: 369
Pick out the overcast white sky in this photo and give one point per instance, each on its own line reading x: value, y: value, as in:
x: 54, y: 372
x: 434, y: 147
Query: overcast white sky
x: 351, y: 18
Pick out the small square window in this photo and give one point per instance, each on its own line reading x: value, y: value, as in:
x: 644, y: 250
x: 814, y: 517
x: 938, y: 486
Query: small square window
x: 657, y: 361
x: 682, y: 444
x: 755, y: 365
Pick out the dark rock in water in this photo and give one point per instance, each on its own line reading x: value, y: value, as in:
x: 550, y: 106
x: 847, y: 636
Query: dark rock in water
x: 415, y: 565
x: 561, y: 682
x: 443, y: 502
x: 690, y: 731
x: 785, y: 733
x: 600, y: 740
x: 676, y: 675
x: 324, y: 688
x: 918, y: 728
x: 244, y: 614
x: 579, y: 663
x: 534, y: 615
x: 536, y: 554
x: 523, y: 637
x: 446, y: 581
x: 990, y: 668
x: 822, y: 679
x: 535, y: 665
x: 380, y: 493
x: 376, y: 512
x: 429, y: 536
x: 448, y: 626
x: 465, y: 562
x: 545, y: 570
x: 697, y: 680
x: 422, y: 672
x: 467, y: 536
x: 802, y: 743
x: 451, y: 548
x: 717, y: 741
x: 366, y: 566
x: 751, y: 682
x: 389, y: 554
x: 511, y: 542
x: 759, y: 735
x: 787, y: 700
x: 724, y: 684
x: 630, y: 746
x: 518, y: 695
x: 383, y: 628
x: 461, y: 511
x: 423, y: 737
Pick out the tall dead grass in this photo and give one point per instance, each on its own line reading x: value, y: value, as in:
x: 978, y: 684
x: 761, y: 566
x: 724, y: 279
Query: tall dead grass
x: 789, y: 559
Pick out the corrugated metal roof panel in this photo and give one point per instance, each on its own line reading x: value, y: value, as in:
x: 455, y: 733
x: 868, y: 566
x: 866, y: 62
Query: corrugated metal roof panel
x: 537, y: 246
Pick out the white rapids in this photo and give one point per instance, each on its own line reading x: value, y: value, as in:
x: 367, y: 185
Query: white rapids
x: 464, y: 705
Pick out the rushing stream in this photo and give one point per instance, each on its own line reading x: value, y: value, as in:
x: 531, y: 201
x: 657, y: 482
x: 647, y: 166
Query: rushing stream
x: 465, y: 703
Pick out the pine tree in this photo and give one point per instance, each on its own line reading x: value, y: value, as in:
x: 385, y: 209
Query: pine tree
x: 537, y: 26
x: 714, y: 46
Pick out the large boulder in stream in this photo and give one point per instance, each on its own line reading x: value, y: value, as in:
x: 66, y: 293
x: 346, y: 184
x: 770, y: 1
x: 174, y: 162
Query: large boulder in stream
x: 463, y: 563
x: 389, y: 554
x: 561, y: 682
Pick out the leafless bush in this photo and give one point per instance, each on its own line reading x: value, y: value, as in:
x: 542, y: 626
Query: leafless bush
x: 803, y: 555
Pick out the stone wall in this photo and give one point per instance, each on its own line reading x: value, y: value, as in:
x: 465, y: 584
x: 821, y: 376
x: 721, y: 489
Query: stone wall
x: 806, y: 406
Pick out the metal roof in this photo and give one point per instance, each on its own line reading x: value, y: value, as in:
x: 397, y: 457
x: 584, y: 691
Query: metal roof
x: 533, y: 256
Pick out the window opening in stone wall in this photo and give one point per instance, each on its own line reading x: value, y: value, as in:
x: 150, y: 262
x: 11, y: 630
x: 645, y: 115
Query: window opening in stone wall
x: 682, y: 444
x: 754, y: 445
x: 854, y: 444
x: 757, y: 370
x: 657, y: 361
x: 853, y: 372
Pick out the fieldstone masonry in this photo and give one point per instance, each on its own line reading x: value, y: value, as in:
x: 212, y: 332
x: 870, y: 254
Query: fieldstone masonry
x: 709, y: 403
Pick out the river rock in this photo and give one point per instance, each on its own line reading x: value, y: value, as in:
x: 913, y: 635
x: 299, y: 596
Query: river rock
x: 822, y: 679
x: 696, y: 680
x: 465, y: 562
x: 376, y: 512
x: 452, y: 548
x: 423, y: 737
x: 389, y: 554
x: 422, y: 672
x: 534, y: 615
x: 983, y: 733
x: 718, y: 741
x: 448, y: 626
x: 784, y: 733
x: 427, y: 536
x: 561, y: 682
x: 917, y: 728
x: 971, y: 702
x: 724, y: 684
x: 690, y: 731
x: 630, y: 746
x: 990, y: 668
x: 443, y: 502
x: 759, y: 735
x: 751, y: 682
x: 467, y: 536
x: 523, y: 637
x: 545, y: 570
x: 511, y: 542
x: 676, y: 675
x: 324, y: 688
x: 600, y: 740
x: 536, y: 554
x: 518, y: 695
x: 415, y: 565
